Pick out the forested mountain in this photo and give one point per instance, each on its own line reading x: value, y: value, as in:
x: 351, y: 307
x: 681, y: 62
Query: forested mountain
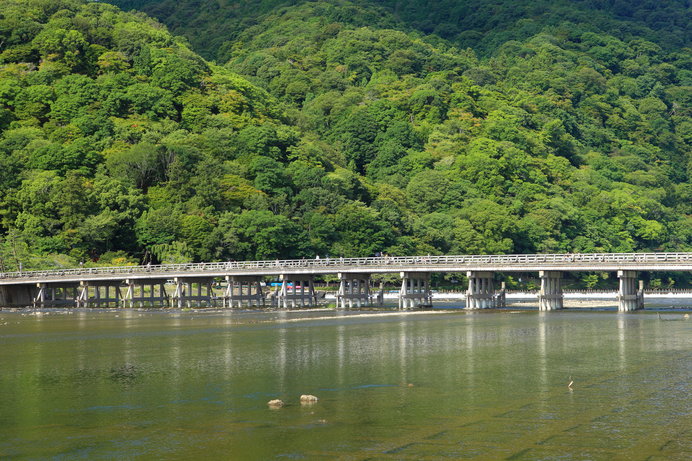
x: 341, y: 128
x: 213, y: 25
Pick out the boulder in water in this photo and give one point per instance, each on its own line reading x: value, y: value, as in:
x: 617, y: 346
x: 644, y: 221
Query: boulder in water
x: 276, y: 403
x: 307, y: 399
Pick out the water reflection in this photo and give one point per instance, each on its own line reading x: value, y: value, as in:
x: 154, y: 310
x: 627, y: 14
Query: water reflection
x: 160, y: 385
x: 82, y: 316
x: 542, y: 351
x: 340, y: 353
x: 281, y: 357
x: 403, y: 351
x: 174, y: 364
x: 622, y: 336
x: 469, y: 357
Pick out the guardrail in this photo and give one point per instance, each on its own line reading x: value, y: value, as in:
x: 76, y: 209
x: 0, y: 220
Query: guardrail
x: 549, y: 260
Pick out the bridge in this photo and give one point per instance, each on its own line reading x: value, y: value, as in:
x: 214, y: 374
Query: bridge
x: 241, y: 283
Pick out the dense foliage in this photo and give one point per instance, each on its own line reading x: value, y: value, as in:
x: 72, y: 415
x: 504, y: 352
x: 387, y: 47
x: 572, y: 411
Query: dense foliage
x: 349, y: 133
x: 213, y: 25
x: 117, y: 138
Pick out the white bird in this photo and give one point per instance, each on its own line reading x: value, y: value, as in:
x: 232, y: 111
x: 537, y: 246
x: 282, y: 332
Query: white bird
x: 570, y: 382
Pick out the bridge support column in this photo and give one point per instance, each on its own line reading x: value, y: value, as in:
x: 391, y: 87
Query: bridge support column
x: 178, y: 295
x: 296, y: 290
x: 137, y: 293
x: 190, y: 292
x: 40, y: 299
x: 57, y: 295
x: 550, y: 297
x: 415, y: 290
x: 83, y: 298
x: 243, y: 289
x: 90, y: 294
x: 481, y: 291
x: 118, y: 294
x: 501, y: 296
x: 354, y: 289
x: 629, y: 297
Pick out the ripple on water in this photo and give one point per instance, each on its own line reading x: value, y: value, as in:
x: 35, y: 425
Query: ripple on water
x: 486, y: 386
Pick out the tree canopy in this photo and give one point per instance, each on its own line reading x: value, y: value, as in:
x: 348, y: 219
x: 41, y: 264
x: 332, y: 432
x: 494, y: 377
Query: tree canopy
x: 340, y: 128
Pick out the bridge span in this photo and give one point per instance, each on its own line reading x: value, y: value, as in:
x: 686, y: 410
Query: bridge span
x: 237, y: 283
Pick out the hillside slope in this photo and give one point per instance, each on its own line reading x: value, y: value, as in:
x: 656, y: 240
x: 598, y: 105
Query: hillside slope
x: 571, y: 140
x: 347, y: 134
x: 483, y: 25
x: 112, y: 129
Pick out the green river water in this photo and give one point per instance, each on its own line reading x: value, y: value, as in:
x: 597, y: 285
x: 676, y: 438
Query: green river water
x: 442, y: 384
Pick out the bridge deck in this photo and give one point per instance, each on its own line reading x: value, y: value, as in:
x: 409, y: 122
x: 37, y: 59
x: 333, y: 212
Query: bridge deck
x: 461, y: 263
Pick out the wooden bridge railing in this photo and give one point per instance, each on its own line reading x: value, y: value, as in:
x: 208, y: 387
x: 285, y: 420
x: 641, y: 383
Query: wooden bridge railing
x: 549, y: 261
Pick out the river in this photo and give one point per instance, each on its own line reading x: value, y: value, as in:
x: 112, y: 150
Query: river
x: 441, y: 384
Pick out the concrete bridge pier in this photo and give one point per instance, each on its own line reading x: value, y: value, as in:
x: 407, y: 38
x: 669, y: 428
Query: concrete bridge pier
x: 629, y: 297
x: 57, y: 294
x: 354, y: 290
x: 295, y: 290
x: 415, y: 290
x: 481, y: 290
x: 193, y: 292
x: 240, y: 289
x: 99, y: 294
x: 550, y: 297
x: 141, y: 292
